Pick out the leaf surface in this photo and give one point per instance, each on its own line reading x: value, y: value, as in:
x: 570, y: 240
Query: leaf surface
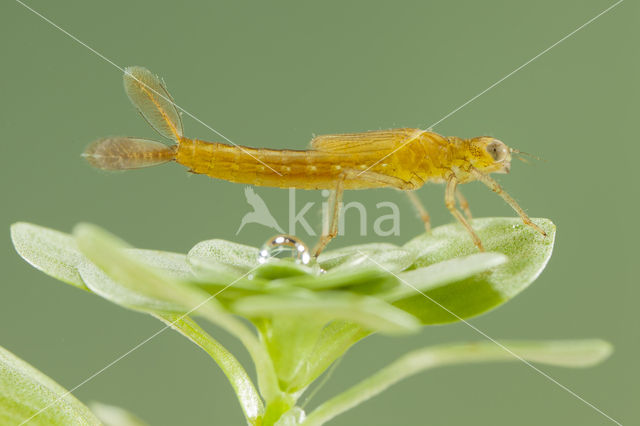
x: 28, y: 395
x: 528, y: 253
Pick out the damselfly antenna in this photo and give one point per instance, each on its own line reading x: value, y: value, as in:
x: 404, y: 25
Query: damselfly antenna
x: 521, y: 155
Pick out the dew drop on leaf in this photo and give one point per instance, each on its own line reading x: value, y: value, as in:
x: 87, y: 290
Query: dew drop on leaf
x: 284, y: 246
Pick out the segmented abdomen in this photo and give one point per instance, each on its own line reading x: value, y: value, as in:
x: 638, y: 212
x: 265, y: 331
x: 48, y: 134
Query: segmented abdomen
x: 268, y: 167
x: 413, y: 164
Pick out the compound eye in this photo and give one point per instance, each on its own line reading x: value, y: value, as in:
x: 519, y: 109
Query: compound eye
x: 497, y: 150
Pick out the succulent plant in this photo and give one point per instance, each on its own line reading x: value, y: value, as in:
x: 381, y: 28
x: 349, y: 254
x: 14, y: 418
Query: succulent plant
x: 304, y: 316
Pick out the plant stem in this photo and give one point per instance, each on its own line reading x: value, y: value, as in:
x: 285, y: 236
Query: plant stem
x: 240, y: 381
x: 563, y: 353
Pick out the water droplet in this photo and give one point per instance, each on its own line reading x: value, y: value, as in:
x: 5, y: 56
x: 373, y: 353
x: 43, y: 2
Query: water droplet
x: 285, y: 246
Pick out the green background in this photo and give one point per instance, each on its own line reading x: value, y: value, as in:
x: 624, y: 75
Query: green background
x: 271, y: 74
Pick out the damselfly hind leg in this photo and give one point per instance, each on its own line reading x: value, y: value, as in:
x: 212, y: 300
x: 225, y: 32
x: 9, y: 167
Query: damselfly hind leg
x: 450, y: 202
x: 424, y: 215
x: 464, y: 204
x: 335, y: 200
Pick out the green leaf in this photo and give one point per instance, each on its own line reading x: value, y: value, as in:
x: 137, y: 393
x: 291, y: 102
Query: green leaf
x: 528, y: 254
x: 117, y: 273
x: 52, y: 252
x: 57, y: 255
x: 216, y: 263
x: 334, y: 340
x: 307, y: 319
x: 380, y: 255
x: 360, y: 279
x: 175, y: 265
x: 110, y: 415
x: 290, y: 340
x: 108, y: 253
x: 369, y: 312
x: 281, y: 268
x: 580, y: 353
x: 172, y: 264
x: 28, y: 395
x: 103, y: 285
x: 223, y: 256
x: 445, y: 272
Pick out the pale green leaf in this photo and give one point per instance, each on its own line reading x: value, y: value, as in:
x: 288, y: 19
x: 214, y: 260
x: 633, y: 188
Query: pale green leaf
x: 28, y: 395
x: 110, y: 415
x: 220, y: 255
x: 367, y: 311
x: 216, y: 263
x: 364, y: 279
x: 108, y: 253
x: 334, y: 340
x: 445, y: 272
x: 281, y: 268
x: 103, y: 285
x: 528, y: 254
x: 381, y: 255
x: 172, y: 264
x: 57, y: 255
x: 290, y: 340
x: 132, y: 283
x: 52, y: 252
x: 561, y: 353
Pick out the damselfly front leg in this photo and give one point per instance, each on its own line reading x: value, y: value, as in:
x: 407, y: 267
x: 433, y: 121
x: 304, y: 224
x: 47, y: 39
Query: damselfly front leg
x: 495, y: 187
x: 450, y: 202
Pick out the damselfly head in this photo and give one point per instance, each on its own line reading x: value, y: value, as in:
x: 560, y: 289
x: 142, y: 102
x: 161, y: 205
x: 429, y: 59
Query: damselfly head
x: 490, y: 155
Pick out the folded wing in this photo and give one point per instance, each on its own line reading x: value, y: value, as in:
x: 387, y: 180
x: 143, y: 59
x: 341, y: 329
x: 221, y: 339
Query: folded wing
x: 375, y: 141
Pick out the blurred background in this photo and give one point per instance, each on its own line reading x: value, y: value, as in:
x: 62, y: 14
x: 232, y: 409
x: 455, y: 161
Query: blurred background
x: 272, y: 74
